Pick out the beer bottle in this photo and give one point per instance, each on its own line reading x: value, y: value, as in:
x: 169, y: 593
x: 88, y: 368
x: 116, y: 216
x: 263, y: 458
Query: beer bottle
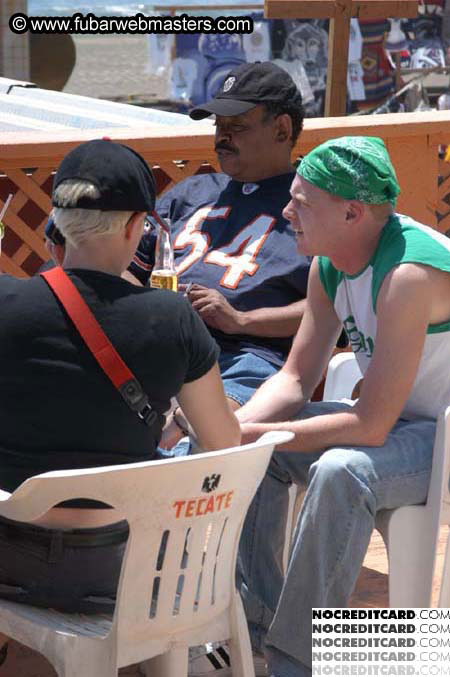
x: 164, y: 275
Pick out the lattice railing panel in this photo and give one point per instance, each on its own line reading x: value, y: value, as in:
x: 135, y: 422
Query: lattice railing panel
x: 413, y: 140
x: 167, y: 174
x: 443, y: 205
x: 23, y: 248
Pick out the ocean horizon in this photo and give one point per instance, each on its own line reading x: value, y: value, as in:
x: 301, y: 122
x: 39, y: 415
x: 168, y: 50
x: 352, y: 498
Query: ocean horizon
x: 124, y: 8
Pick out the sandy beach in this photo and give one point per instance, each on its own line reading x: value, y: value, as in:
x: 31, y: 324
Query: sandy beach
x: 114, y: 67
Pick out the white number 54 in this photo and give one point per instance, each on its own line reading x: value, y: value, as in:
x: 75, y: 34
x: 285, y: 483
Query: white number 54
x: 238, y: 257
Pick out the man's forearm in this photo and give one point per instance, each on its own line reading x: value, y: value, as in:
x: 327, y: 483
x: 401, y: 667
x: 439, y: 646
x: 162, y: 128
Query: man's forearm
x: 279, y: 398
x: 320, y: 432
x: 272, y: 322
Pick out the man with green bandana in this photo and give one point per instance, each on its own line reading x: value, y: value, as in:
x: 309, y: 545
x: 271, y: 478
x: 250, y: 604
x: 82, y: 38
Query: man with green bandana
x: 386, y: 279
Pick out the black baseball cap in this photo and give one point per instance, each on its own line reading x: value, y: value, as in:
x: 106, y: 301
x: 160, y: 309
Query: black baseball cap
x: 247, y: 86
x: 122, y: 176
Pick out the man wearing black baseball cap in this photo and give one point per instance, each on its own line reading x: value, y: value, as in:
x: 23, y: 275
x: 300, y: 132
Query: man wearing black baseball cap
x: 250, y: 85
x: 231, y: 240
x: 70, y: 415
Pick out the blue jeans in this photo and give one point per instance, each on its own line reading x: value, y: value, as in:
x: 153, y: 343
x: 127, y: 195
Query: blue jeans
x: 243, y: 373
x: 346, y: 488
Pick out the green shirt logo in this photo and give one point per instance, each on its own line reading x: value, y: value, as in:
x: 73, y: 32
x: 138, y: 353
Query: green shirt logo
x: 358, y: 341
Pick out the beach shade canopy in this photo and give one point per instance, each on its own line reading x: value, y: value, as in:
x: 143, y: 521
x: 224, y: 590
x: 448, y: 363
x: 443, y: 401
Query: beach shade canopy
x: 25, y: 108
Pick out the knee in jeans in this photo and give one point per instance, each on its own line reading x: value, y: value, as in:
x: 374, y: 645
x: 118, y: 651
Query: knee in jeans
x: 335, y: 474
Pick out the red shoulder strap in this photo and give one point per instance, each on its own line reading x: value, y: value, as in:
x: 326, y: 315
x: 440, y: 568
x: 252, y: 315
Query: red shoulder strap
x: 99, y: 344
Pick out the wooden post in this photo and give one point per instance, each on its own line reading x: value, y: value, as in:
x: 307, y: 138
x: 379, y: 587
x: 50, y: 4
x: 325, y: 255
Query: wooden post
x: 338, y: 41
x: 339, y: 12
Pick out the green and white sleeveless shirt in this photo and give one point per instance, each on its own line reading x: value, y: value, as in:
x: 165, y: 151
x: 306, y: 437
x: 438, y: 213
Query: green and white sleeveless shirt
x: 355, y: 297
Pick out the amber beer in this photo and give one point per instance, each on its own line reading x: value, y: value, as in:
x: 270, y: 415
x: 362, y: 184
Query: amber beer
x: 164, y: 279
x: 164, y: 275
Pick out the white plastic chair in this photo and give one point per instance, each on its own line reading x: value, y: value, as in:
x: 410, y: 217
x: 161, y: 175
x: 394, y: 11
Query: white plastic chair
x: 176, y: 586
x: 444, y: 596
x: 411, y: 532
x: 342, y: 375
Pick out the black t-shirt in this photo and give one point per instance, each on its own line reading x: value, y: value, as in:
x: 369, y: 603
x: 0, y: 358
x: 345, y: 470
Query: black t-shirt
x: 58, y: 409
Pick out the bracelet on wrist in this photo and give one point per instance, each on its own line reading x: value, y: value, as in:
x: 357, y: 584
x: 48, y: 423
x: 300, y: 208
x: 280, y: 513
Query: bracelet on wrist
x: 178, y: 423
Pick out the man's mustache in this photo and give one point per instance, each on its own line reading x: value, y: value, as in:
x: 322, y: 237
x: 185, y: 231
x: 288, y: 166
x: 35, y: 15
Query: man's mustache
x: 224, y: 146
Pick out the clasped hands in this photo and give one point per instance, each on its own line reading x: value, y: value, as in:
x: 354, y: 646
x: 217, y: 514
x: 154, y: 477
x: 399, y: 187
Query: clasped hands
x: 172, y: 432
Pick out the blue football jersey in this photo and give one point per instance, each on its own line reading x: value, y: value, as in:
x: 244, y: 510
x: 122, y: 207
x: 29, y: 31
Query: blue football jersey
x: 231, y: 236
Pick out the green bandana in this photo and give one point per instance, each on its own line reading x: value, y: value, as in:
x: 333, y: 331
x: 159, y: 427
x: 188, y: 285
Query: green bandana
x: 354, y: 168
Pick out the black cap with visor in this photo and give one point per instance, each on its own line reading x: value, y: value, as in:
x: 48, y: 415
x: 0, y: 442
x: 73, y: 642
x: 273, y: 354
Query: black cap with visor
x: 247, y: 86
x: 122, y: 177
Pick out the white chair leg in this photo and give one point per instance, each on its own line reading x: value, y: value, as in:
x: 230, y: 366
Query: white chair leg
x: 444, y: 595
x: 411, y: 541
x: 74, y: 671
x: 173, y: 663
x: 241, y: 658
x: 86, y: 661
